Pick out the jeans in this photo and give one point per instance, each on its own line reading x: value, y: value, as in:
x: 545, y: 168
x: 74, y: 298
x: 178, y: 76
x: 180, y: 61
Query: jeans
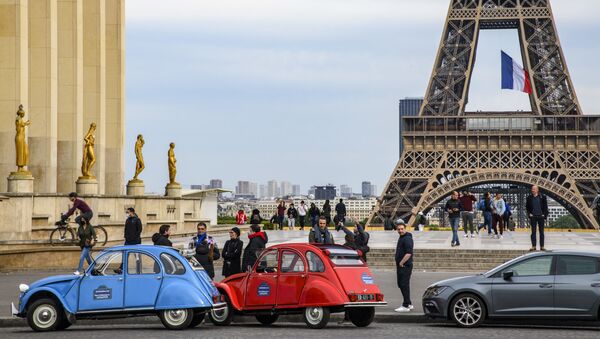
x: 487, y: 221
x: 454, y: 224
x: 85, y: 254
x: 280, y: 219
x: 314, y: 220
x: 497, y: 220
x: 302, y: 221
x: 467, y: 219
x: 403, y: 279
x: 537, y: 222
x: 291, y: 223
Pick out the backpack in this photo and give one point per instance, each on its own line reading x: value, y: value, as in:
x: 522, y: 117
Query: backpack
x: 507, y: 212
x: 481, y: 205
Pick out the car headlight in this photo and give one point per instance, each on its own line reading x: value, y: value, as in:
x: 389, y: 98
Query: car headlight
x: 437, y: 290
x: 23, y: 288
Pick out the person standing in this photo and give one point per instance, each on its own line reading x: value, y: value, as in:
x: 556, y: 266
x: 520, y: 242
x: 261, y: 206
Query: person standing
x: 133, y: 228
x: 537, y: 210
x: 255, y: 218
x: 292, y: 214
x: 314, y: 214
x: 320, y: 234
x: 360, y: 238
x: 327, y: 212
x: 257, y: 241
x: 241, y: 218
x: 281, y: 214
x: 302, y: 211
x: 340, y: 212
x: 87, y: 240
x: 453, y: 207
x: 506, y: 216
x: 162, y: 237
x: 232, y: 253
x: 420, y: 221
x: 468, y: 214
x: 206, y: 250
x: 487, y: 210
x: 404, y: 265
x: 499, y: 207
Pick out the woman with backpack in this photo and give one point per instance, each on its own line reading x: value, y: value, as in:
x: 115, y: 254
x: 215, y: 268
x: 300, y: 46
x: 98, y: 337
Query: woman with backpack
x: 87, y: 240
x: 255, y: 218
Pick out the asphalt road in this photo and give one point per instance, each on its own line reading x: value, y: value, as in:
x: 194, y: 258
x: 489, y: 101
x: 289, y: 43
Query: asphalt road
x: 296, y: 330
x: 386, y: 279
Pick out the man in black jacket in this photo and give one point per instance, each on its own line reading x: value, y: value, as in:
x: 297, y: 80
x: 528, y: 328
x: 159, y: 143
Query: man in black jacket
x: 133, y: 228
x: 537, y: 210
x: 162, y: 237
x: 232, y: 253
x: 404, y: 264
x: 257, y: 242
x: 340, y: 212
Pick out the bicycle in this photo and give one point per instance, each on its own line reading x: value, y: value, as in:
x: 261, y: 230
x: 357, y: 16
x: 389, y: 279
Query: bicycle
x: 64, y: 234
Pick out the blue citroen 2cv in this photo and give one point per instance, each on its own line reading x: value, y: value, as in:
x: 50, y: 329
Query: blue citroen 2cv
x: 123, y: 281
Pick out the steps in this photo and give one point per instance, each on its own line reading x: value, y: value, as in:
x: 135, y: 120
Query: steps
x: 446, y: 259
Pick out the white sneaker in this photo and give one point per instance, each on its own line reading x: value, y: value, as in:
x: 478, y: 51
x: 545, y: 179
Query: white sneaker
x: 77, y: 273
x: 501, y: 236
x: 410, y: 307
x: 466, y: 235
x: 472, y: 235
x: 402, y: 309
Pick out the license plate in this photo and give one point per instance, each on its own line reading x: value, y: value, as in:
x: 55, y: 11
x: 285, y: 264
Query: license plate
x: 366, y: 297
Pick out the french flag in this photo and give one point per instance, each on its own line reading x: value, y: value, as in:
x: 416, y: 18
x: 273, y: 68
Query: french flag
x: 514, y: 76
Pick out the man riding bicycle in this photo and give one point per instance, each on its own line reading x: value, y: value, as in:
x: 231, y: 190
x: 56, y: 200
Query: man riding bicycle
x: 78, y: 204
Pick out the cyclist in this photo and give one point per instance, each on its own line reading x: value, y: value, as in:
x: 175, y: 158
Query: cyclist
x: 78, y: 204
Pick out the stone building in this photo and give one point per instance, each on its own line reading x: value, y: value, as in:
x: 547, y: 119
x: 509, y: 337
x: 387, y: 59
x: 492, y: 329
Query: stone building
x: 63, y: 60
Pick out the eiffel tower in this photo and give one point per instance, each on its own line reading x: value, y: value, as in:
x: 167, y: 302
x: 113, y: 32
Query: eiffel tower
x: 553, y: 146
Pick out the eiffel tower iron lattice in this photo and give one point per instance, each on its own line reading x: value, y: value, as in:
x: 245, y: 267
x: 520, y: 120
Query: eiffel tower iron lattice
x: 553, y: 146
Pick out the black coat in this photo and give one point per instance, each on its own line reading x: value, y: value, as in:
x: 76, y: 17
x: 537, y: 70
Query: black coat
x: 133, y: 230
x: 544, y: 202
x: 160, y: 240
x: 203, y: 257
x: 232, y: 257
x: 255, y: 245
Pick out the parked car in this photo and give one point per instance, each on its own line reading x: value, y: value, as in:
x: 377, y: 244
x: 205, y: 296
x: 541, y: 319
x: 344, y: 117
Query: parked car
x: 554, y: 284
x: 309, y: 279
x: 152, y: 280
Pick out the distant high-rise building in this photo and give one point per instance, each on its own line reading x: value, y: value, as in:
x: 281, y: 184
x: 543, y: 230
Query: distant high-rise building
x: 312, y: 190
x: 242, y: 188
x: 272, y: 189
x: 325, y: 192
x: 345, y: 191
x: 366, y: 189
x: 199, y: 187
x: 285, y: 189
x: 296, y: 190
x: 262, y: 191
x: 216, y: 183
x: 409, y: 107
x: 373, y: 190
x: 253, y: 189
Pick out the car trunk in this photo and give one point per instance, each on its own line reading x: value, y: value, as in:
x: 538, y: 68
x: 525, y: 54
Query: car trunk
x: 356, y: 279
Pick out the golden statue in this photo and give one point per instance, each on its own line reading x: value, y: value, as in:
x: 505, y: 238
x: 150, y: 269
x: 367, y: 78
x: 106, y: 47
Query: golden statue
x: 172, y: 165
x: 139, y: 164
x: 20, y: 141
x: 89, y: 156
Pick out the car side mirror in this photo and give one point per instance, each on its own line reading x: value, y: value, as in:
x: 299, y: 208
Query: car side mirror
x: 507, y: 275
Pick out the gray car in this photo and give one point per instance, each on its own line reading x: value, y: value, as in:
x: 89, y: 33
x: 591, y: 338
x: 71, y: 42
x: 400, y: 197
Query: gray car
x: 553, y: 284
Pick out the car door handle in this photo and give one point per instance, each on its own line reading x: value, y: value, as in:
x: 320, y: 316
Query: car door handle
x: 158, y: 278
x: 595, y: 285
x: 120, y: 279
x: 546, y: 285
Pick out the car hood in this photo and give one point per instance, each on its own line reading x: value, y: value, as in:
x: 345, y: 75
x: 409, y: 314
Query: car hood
x: 53, y: 280
x: 459, y: 280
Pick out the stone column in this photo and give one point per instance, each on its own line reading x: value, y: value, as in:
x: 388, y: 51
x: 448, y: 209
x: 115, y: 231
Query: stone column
x: 14, y: 85
x: 173, y: 190
x: 94, y: 80
x: 70, y: 93
x: 43, y: 94
x: 115, y: 97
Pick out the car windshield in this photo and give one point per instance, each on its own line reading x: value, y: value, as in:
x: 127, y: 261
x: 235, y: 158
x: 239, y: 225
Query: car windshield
x: 344, y: 257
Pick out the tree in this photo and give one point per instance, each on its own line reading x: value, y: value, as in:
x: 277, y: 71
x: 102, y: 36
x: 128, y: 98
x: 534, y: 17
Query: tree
x: 565, y: 222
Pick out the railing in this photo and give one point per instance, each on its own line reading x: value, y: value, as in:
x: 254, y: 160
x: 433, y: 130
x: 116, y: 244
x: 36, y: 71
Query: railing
x: 504, y: 123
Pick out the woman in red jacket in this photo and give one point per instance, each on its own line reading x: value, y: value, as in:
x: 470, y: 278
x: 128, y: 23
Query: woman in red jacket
x: 241, y: 218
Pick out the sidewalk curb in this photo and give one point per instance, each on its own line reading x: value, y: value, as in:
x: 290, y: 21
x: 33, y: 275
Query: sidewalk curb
x: 386, y: 317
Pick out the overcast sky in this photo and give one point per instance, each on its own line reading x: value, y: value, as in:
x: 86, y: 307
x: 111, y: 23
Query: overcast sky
x: 305, y: 90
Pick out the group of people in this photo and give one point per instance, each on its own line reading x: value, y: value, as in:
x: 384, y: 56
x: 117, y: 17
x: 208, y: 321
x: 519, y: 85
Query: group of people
x: 302, y: 214
x: 496, y: 215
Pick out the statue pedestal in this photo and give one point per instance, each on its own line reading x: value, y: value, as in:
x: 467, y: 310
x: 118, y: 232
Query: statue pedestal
x: 86, y: 186
x: 20, y: 182
x: 173, y: 190
x: 135, y: 187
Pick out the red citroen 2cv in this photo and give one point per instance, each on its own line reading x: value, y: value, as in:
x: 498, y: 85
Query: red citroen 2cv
x: 309, y: 279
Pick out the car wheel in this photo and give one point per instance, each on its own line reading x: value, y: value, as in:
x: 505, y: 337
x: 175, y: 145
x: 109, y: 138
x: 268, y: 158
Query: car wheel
x: 197, y: 319
x: 176, y: 319
x: 44, y: 315
x: 222, y: 317
x: 316, y: 317
x: 468, y: 310
x: 361, y: 317
x: 267, y: 319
